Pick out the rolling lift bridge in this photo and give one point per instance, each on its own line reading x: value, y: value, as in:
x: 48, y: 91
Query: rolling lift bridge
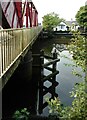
x: 19, y: 30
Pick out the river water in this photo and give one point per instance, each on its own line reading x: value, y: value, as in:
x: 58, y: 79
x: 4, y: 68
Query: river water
x: 17, y: 94
x: 65, y: 78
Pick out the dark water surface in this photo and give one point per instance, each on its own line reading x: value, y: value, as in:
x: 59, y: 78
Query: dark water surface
x: 17, y: 94
x: 65, y: 78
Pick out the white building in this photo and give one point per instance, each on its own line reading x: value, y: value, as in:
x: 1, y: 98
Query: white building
x: 61, y: 27
x: 73, y: 25
x: 67, y: 25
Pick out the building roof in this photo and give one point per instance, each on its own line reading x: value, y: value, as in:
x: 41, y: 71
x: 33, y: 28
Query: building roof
x: 69, y: 23
x: 62, y: 24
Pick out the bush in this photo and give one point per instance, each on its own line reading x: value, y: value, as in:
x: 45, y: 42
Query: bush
x: 22, y: 114
x: 78, y: 110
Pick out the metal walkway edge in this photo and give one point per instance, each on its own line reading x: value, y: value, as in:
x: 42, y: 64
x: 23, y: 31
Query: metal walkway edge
x: 14, y: 43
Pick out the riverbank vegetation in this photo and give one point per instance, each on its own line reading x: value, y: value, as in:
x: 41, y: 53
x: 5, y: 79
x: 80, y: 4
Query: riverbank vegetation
x: 78, y: 49
x: 78, y: 109
x: 50, y: 21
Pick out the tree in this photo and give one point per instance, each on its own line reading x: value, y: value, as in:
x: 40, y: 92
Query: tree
x: 51, y: 20
x: 81, y: 16
x: 77, y: 47
x: 78, y: 109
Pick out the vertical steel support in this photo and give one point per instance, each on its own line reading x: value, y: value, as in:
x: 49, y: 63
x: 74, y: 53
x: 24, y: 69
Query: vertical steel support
x: 18, y: 9
x: 31, y: 14
x: 27, y: 16
x: 37, y: 19
x: 35, y: 14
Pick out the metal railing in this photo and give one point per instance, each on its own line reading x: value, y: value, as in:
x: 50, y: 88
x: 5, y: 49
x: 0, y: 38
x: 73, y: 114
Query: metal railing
x: 12, y: 44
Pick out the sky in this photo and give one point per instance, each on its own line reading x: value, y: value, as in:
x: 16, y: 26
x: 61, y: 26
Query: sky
x: 66, y: 9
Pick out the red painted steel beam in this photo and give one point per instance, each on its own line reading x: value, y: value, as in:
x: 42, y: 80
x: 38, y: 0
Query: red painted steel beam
x: 31, y: 14
x: 27, y: 16
x: 35, y: 18
x: 18, y: 7
x: 15, y: 19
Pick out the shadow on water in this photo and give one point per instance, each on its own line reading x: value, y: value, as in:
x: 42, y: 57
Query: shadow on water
x: 65, y: 78
x: 18, y: 94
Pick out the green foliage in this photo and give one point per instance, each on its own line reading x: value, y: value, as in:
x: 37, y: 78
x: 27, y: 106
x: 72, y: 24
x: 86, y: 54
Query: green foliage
x: 77, y: 73
x: 50, y: 21
x: 77, y: 48
x: 55, y: 106
x: 81, y: 16
x: 78, y: 110
x: 23, y: 114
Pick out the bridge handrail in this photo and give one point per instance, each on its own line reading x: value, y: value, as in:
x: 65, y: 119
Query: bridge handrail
x: 12, y: 44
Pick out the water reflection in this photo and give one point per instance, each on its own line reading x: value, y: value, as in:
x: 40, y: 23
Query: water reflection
x: 19, y: 94
x: 65, y: 78
x: 60, y: 47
